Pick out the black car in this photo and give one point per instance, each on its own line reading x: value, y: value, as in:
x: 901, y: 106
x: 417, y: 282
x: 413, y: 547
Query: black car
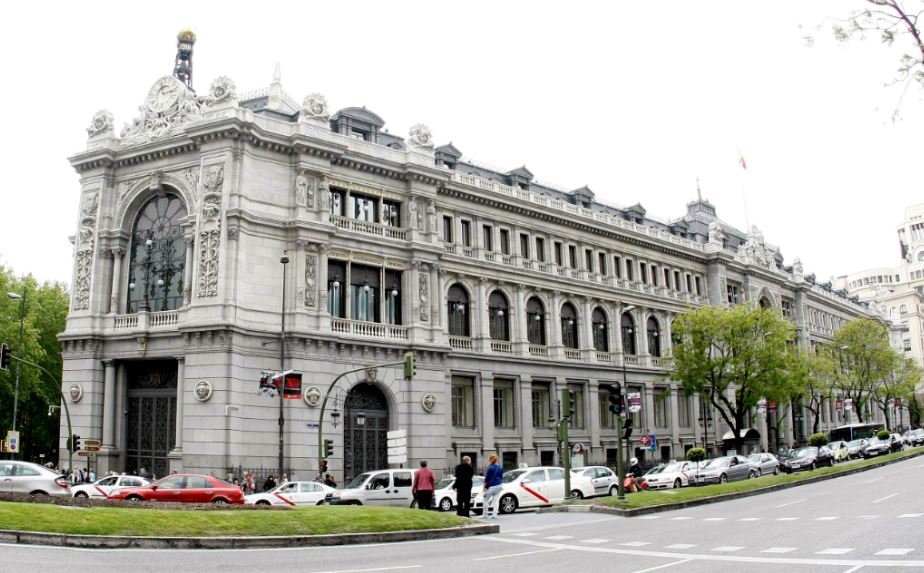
x: 877, y: 447
x: 915, y: 437
x: 807, y: 459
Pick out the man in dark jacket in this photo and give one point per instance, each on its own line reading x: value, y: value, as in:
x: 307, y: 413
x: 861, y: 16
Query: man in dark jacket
x: 463, y: 486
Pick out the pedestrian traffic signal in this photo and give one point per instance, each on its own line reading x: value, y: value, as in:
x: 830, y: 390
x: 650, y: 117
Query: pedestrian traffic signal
x: 410, y: 369
x: 568, y: 402
x: 5, y: 357
x: 73, y: 443
x: 616, y: 399
x: 328, y: 448
x: 323, y: 466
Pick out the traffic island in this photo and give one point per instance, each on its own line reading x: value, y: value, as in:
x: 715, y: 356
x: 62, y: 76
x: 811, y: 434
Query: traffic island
x: 228, y: 528
x: 669, y: 500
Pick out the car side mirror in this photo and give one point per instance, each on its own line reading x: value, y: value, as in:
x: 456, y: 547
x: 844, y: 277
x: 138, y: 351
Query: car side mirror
x: 154, y: 487
x: 368, y: 486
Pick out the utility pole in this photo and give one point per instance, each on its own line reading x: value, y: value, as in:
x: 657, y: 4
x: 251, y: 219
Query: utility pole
x: 282, y: 366
x: 562, y: 436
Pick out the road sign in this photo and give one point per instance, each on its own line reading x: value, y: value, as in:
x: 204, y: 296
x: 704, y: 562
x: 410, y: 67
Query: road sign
x: 397, y: 443
x: 643, y: 440
x: 92, y: 444
x: 397, y: 459
x: 12, y: 442
x: 86, y: 454
x: 396, y: 434
x: 848, y: 405
x: 634, y: 399
x: 399, y: 451
x: 577, y: 448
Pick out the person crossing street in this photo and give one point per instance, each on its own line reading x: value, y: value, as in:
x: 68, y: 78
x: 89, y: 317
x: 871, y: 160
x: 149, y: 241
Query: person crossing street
x: 493, y: 478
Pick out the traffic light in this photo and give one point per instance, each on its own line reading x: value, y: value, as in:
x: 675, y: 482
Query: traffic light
x: 73, y: 443
x: 323, y: 466
x: 616, y: 399
x: 628, y: 428
x: 410, y: 369
x: 328, y: 448
x: 567, y: 402
x: 5, y: 357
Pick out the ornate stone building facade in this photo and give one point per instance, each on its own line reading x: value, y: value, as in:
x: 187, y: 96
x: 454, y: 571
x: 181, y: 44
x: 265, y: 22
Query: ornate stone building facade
x: 506, y: 289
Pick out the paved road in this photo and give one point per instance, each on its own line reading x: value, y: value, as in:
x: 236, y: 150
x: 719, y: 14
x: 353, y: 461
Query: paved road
x: 868, y: 522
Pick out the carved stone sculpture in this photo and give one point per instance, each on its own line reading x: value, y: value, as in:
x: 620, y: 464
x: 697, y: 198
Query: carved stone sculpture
x: 301, y: 190
x: 311, y: 264
x: 420, y: 138
x: 431, y: 217
x: 716, y: 236
x: 101, y: 123
x: 412, y: 214
x: 314, y: 109
x: 424, y: 293
x: 214, y: 177
x: 222, y: 89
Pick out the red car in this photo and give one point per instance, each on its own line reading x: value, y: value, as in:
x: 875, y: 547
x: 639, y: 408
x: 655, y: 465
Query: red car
x: 186, y: 488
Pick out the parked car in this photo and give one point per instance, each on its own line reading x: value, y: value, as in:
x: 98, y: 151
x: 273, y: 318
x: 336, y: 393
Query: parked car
x: 896, y: 444
x: 840, y: 450
x: 765, y: 463
x: 444, y: 497
x: 915, y: 437
x: 184, y: 488
x: 602, y: 481
x: 26, y: 477
x: 380, y: 487
x: 532, y: 487
x: 105, y: 486
x: 291, y: 493
x: 876, y: 447
x: 724, y: 469
x: 808, y: 459
x: 672, y: 476
x: 855, y: 448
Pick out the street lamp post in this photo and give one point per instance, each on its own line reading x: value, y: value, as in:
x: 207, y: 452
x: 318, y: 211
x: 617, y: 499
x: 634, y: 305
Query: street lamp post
x: 22, y: 315
x: 282, y: 364
x: 622, y: 460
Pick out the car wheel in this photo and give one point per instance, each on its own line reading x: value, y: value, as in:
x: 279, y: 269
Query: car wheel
x: 320, y: 502
x: 81, y: 494
x: 38, y: 492
x: 220, y: 501
x: 134, y: 498
x: 723, y: 478
x: 357, y: 502
x: 614, y: 490
x: 752, y: 475
x: 508, y: 504
x: 776, y: 471
x: 445, y: 504
x: 263, y: 502
x: 677, y: 483
x: 576, y: 494
x: 814, y: 466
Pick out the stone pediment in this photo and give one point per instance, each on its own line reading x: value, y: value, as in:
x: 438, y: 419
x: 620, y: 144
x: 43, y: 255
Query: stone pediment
x: 360, y: 114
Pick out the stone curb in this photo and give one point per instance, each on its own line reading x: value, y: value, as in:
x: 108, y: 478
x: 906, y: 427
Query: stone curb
x: 717, y: 498
x: 123, y: 542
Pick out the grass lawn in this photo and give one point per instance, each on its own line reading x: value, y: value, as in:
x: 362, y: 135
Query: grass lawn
x: 313, y: 520
x: 664, y: 497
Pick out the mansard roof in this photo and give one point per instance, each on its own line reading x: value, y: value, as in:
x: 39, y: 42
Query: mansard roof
x: 361, y: 114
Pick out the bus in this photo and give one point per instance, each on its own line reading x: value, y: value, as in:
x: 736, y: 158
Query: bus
x: 853, y: 432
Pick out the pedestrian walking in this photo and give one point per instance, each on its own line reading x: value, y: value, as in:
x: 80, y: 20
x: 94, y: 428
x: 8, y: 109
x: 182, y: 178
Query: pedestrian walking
x: 250, y: 485
x: 330, y: 481
x: 463, y: 486
x: 423, y: 486
x: 270, y: 483
x: 493, y: 478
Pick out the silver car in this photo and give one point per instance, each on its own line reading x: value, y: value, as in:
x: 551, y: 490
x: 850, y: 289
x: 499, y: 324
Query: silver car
x: 765, y: 463
x: 724, y: 469
x: 26, y: 477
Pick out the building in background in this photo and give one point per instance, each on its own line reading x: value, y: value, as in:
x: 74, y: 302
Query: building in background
x: 508, y: 290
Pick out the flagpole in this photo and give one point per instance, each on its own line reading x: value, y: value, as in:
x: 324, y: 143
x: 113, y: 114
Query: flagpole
x: 744, y: 200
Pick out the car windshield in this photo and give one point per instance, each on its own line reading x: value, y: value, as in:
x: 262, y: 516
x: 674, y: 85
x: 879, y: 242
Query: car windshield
x: 511, y: 476
x: 444, y: 483
x: 655, y: 470
x: 755, y: 458
x: 718, y: 463
x: 854, y: 443
x: 673, y: 468
x: 806, y: 452
x: 358, y: 481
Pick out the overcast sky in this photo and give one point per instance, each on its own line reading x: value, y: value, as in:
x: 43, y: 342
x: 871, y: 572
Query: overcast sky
x: 634, y: 99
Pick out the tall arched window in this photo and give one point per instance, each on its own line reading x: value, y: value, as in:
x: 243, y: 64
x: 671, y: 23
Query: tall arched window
x: 628, y: 333
x: 535, y: 321
x: 654, y: 337
x: 498, y: 316
x: 601, y: 332
x: 457, y: 311
x: 158, y: 256
x: 764, y: 303
x: 569, y: 326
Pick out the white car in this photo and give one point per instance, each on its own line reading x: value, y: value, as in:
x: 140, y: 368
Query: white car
x: 290, y: 494
x: 444, y: 497
x: 671, y: 476
x: 532, y: 487
x: 593, y: 480
x: 106, y: 486
x: 764, y: 463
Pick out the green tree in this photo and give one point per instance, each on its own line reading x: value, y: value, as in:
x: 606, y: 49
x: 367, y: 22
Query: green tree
x: 892, y: 21
x: 864, y: 359
x: 733, y: 357
x: 46, y: 309
x: 813, y: 376
x: 899, y: 382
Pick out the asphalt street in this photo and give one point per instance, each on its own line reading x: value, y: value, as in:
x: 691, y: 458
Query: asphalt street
x: 871, y: 521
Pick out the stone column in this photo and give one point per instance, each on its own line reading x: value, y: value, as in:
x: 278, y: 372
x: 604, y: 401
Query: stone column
x: 322, y: 282
x: 675, y: 420
x: 616, y: 336
x: 593, y: 401
x: 117, y: 254
x: 482, y: 312
x: 641, y: 327
x: 347, y: 292
x: 555, y: 343
x: 188, y: 268
x: 109, y: 397
x: 438, y: 316
x: 180, y: 399
x: 526, y: 418
x: 519, y: 308
x: 667, y: 342
x: 588, y: 331
x: 487, y: 411
x: 788, y: 433
x: 648, y: 406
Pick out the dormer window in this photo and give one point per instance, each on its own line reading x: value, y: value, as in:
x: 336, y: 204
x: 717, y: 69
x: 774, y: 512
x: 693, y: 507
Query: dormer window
x: 357, y: 134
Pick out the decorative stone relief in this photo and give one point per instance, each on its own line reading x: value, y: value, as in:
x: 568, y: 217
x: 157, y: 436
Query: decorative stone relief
x: 420, y: 138
x: 314, y: 110
x: 428, y: 403
x: 306, y: 187
x: 83, y: 259
x: 311, y: 270
x: 754, y: 250
x: 203, y: 390
x: 716, y: 236
x: 222, y: 90
x: 312, y: 396
x: 101, y: 123
x: 210, y: 231
x: 423, y: 281
x: 192, y: 177
x: 234, y: 233
x: 75, y: 392
x: 431, y: 218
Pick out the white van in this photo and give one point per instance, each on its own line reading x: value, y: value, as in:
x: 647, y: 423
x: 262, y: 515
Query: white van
x: 380, y: 487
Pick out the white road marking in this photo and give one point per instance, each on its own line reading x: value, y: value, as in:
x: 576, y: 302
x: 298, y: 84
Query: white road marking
x: 835, y: 551
x: 787, y: 519
x: 750, y: 519
x: 854, y: 568
x: 778, y: 550
x: 894, y: 551
x: 682, y: 518
x: 910, y: 515
x: 649, y: 517
x: 790, y: 503
x: 636, y: 543
x: 728, y: 548
x: 666, y: 565
x: 867, y: 517
x: 594, y: 540
x: 874, y: 479
x: 397, y: 568
x: 885, y: 498
x: 715, y: 519
x: 681, y: 546
x: 827, y: 518
x: 525, y: 533
x: 517, y: 554
x: 559, y: 537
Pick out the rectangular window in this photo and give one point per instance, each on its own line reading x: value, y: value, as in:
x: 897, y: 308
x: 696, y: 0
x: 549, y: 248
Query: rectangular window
x: 589, y: 260
x: 617, y: 267
x: 558, y: 253
x: 540, y: 249
x: 689, y: 283
x: 630, y: 276
x: 488, y: 238
x: 732, y: 291
x: 787, y: 308
x: 699, y: 286
x: 541, y: 405
x: 364, y: 293
x: 391, y: 213
x: 509, y: 462
x: 466, y: 233
x: 463, y: 401
x: 336, y: 202
x: 363, y: 208
x: 684, y: 408
x: 336, y: 274
x: 505, y: 241
x: 577, y: 405
x: 503, y: 403
x: 572, y: 256
x: 392, y: 297
x: 524, y: 245
x: 907, y: 345
x: 643, y: 273
x: 660, y: 407
x: 667, y: 278
x: 607, y: 419
x: 447, y: 229
x: 654, y: 275
x: 601, y: 263
x: 677, y: 280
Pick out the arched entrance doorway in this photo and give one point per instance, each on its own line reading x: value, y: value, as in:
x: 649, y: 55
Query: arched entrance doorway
x: 150, y: 418
x: 365, y: 427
